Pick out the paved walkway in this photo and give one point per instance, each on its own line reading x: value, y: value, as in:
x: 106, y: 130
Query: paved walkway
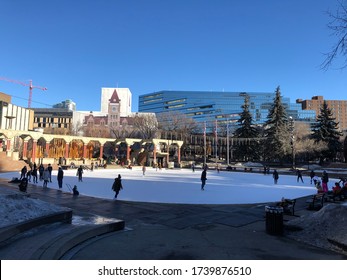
x: 171, y: 231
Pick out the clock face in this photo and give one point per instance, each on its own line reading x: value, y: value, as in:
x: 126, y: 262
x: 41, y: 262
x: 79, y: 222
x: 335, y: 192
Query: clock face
x: 114, y: 109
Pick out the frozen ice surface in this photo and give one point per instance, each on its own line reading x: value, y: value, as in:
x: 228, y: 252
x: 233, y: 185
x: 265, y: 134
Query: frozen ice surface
x: 183, y: 186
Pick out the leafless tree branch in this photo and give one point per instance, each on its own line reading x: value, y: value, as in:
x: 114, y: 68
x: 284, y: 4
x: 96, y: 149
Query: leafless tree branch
x: 338, y: 25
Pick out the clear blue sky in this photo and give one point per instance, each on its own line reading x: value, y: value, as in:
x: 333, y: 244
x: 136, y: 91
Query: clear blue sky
x: 76, y: 47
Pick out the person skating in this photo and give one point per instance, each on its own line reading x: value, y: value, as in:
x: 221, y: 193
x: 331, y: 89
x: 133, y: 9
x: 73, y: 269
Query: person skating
x: 203, y: 179
x: 299, y: 174
x: 79, y: 173
x: 117, y: 185
x: 275, y: 176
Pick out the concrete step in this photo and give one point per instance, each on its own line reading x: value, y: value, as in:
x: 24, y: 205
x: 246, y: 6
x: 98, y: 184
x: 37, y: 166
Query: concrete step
x: 52, y: 241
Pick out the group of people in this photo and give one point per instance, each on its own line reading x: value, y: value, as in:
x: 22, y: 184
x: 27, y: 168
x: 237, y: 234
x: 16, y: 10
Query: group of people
x: 320, y: 184
x: 43, y: 174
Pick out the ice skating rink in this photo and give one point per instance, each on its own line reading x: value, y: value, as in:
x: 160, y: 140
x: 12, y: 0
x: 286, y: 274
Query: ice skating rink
x: 182, y: 186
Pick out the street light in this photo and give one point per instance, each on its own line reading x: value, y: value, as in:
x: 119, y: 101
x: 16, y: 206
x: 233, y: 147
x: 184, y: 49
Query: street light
x: 292, y: 139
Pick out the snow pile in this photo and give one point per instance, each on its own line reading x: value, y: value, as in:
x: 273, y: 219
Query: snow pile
x: 18, y: 208
x: 317, y: 228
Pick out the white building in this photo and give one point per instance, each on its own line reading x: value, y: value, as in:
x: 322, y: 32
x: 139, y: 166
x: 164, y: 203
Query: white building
x: 124, y: 95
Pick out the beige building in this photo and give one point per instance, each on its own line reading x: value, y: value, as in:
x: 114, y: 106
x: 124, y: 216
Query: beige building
x: 338, y: 107
x: 14, y: 117
x: 124, y: 99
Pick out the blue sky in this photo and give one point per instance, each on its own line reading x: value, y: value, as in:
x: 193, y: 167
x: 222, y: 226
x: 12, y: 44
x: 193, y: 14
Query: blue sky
x: 74, y: 48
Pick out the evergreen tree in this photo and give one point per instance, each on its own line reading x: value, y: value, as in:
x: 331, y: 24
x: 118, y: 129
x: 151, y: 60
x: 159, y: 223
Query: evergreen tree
x: 246, y: 150
x: 277, y: 132
x: 326, y: 130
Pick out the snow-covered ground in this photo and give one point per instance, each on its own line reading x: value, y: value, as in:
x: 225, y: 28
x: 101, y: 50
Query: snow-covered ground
x: 183, y: 186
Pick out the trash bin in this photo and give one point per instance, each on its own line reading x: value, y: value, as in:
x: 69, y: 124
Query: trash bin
x: 274, y: 220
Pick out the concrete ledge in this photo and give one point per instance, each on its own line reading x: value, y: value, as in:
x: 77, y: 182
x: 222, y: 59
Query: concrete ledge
x: 56, y: 248
x: 10, y: 231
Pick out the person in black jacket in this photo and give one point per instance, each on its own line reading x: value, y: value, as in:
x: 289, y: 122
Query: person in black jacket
x: 203, y: 179
x: 79, y: 173
x: 299, y: 174
x: 50, y: 169
x: 60, y: 177
x: 275, y: 176
x: 117, y: 185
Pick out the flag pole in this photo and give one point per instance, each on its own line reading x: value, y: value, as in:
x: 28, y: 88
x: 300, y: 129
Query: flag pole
x: 216, y: 141
x: 204, y: 144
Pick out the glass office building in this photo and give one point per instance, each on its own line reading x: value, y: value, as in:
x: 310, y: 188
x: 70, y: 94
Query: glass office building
x: 209, y: 106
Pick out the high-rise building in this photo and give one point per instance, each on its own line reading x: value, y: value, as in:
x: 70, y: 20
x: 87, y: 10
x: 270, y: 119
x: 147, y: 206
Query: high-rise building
x: 338, y: 107
x: 67, y: 104
x: 124, y: 95
x: 204, y: 106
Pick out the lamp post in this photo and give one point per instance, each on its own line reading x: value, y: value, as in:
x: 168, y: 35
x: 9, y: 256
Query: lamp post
x: 292, y: 140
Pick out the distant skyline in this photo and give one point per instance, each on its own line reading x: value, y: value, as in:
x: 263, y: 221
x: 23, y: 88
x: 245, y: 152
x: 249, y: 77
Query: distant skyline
x: 74, y: 48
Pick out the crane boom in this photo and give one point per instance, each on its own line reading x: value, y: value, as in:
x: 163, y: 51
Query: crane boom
x: 30, y: 85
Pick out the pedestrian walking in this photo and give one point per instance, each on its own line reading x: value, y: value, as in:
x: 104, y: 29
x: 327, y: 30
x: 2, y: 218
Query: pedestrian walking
x: 143, y: 170
x: 203, y: 179
x: 50, y: 169
x: 299, y: 176
x: 29, y: 175
x: 117, y: 185
x: 41, y: 169
x: 79, y: 173
x: 23, y: 172
x: 193, y: 167
x: 275, y: 176
x: 60, y: 177
x: 45, y: 178
x: 34, y: 174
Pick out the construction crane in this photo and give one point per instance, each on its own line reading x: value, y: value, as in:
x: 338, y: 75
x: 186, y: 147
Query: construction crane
x: 30, y: 85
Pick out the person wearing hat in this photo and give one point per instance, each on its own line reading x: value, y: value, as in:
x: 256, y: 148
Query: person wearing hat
x: 117, y: 185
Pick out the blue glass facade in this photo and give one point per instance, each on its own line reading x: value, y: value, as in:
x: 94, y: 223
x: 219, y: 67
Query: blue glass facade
x: 210, y: 106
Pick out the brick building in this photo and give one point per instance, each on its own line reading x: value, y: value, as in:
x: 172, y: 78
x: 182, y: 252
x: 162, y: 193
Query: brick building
x: 338, y: 107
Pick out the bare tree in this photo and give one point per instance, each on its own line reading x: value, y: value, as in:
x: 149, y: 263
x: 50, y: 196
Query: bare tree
x: 176, y: 125
x: 145, y: 125
x: 338, y: 25
x: 120, y: 132
x: 77, y: 129
x: 305, y: 147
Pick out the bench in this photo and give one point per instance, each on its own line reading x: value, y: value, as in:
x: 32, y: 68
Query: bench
x: 316, y: 202
x: 288, y: 206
